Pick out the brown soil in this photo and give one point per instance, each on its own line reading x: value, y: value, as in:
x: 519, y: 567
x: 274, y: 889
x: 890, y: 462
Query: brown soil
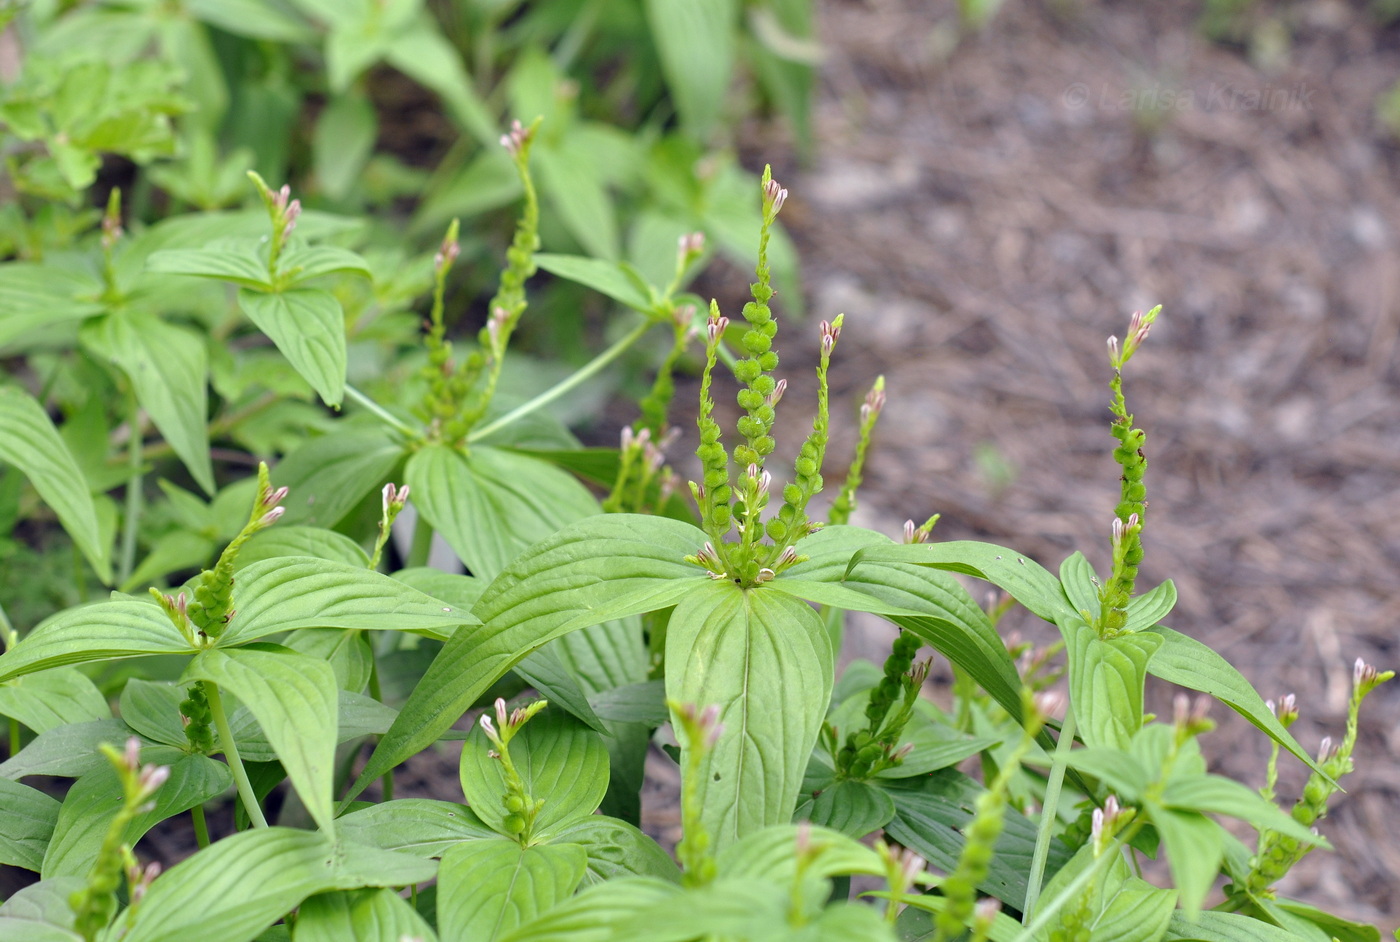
x: 988, y: 211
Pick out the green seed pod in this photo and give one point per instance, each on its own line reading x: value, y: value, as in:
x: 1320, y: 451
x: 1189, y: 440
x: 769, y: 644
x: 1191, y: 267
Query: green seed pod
x: 514, y: 803
x: 513, y: 823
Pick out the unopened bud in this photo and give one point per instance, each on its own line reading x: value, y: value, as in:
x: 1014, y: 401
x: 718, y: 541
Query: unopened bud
x: 874, y: 403
x: 501, y: 716
x: 515, y: 139
x: 804, y: 838
x: 495, y: 326
x: 274, y: 497
x: 902, y: 753
x: 716, y: 328
x: 776, y: 395
x: 691, y: 244
x: 787, y: 557
x: 774, y: 195
x: 1325, y: 749
x: 1048, y: 703
x: 271, y: 517
x: 284, y: 194
x: 1114, y: 356
x: 985, y: 912
x: 830, y: 331
x: 394, y: 497
x: 289, y: 221
x: 684, y: 315
x: 151, y: 778
x: 447, y: 254
x: 132, y: 756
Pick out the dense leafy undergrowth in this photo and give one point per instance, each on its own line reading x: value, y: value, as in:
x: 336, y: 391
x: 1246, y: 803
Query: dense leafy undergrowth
x: 266, y: 632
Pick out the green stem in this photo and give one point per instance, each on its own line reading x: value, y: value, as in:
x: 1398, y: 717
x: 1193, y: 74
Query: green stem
x: 201, y: 826
x: 381, y: 413
x: 235, y: 764
x: 586, y: 373
x: 133, y: 495
x: 1076, y: 886
x: 14, y: 737
x: 1049, y: 812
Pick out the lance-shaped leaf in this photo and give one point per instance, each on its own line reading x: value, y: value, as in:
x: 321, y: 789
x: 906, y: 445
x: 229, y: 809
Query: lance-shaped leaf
x: 852, y: 808
x: 71, y: 751
x: 1118, y: 905
x: 93, y: 801
x: 294, y: 700
x: 303, y: 262
x: 1106, y: 680
x: 419, y: 826
x: 697, y: 44
x: 618, y: 280
x: 765, y: 660
x: 1225, y: 927
x: 27, y: 820
x: 235, y: 260
x: 101, y: 632
x: 1023, y: 578
x: 1184, y: 661
x: 168, y: 368
x: 52, y: 699
x: 560, y: 761
x: 378, y: 915
x: 769, y: 855
x: 931, y: 815
x: 302, y: 541
x: 304, y: 592
x: 601, y: 568
x: 928, y: 603
x: 308, y: 326
x: 617, y: 849
x: 487, y: 888
x: 29, y: 441
x: 328, y: 476
x: 1146, y: 610
x: 492, y: 504
x: 236, y: 887
x: 594, y: 914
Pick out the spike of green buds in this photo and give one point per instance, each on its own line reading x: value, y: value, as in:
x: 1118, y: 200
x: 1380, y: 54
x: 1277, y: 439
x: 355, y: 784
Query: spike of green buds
x: 521, y: 807
x: 845, y: 502
x: 698, y: 731
x: 211, y: 611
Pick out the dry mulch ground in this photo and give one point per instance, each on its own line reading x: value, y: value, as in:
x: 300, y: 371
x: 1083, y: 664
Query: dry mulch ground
x: 988, y: 211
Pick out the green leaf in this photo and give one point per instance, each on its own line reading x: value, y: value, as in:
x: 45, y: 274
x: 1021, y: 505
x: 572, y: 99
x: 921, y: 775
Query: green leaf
x: 67, y: 751
x: 1224, y: 927
x: 236, y: 261
x: 419, y: 826
x: 1194, y: 850
x: 421, y: 52
x: 572, y: 181
x: 52, y: 699
x: 931, y: 815
x: 1081, y: 585
x: 765, y: 660
x: 304, y: 592
x: 304, y: 262
x: 35, y: 297
x: 344, y: 139
x: 294, y: 700
x: 1024, y: 579
x: 358, y: 716
x: 308, y: 326
x: 1116, y: 768
x: 1121, y: 907
x: 22, y: 930
x: 594, y: 914
x: 769, y: 855
x: 379, y: 915
x: 152, y: 708
x: 1106, y: 680
x: 29, y: 441
x: 347, y: 651
x: 330, y: 475
x: 643, y: 702
x: 1146, y: 610
x: 619, y: 281
x: 696, y: 43
x: 935, y: 747
x: 257, y: 19
x: 944, y: 615
x: 44, y: 902
x: 27, y: 820
x: 1218, y: 795
x: 93, y: 801
x: 492, y: 504
x: 617, y: 849
x: 302, y: 541
x: 487, y: 888
x: 167, y: 366
x: 560, y: 761
x: 548, y: 674
x: 1335, y: 927
x: 601, y: 568
x: 101, y: 632
x: 1184, y: 661
x: 852, y: 808
x: 236, y: 887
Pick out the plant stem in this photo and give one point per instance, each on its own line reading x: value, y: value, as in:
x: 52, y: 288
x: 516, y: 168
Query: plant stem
x: 1048, y: 813
x: 235, y: 764
x: 132, y: 519
x: 14, y: 737
x: 422, y: 546
x: 1076, y: 885
x: 201, y: 826
x: 587, y: 372
x: 380, y: 412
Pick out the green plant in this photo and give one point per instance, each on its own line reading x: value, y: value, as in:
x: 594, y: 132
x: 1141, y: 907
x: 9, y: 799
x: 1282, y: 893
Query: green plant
x: 269, y: 636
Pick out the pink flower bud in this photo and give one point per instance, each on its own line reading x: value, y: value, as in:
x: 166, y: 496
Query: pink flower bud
x: 684, y: 315
x: 284, y: 194
x: 775, y: 195
x: 716, y: 328
x: 133, y: 753
x: 1114, y: 356
x: 691, y: 244
x: 501, y: 715
x: 290, y: 219
x: 487, y: 726
x: 986, y: 910
x: 271, y: 517
x: 515, y: 139
x: 776, y: 395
